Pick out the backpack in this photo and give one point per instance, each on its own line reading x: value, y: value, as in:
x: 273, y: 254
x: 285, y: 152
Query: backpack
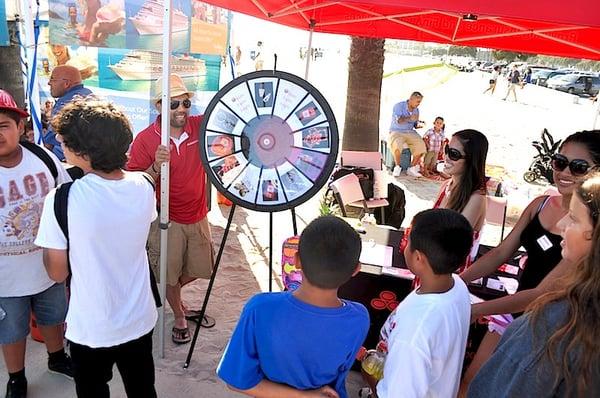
x: 395, y: 211
x: 61, y: 200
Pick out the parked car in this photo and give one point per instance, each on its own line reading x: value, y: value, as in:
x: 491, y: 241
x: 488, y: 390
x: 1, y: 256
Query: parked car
x: 540, y: 76
x: 576, y: 84
x: 543, y: 81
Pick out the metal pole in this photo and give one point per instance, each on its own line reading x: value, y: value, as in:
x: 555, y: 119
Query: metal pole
x: 294, y: 225
x: 198, y: 319
x: 270, y: 251
x: 597, y: 112
x: 308, y: 50
x: 164, y: 170
x: 32, y: 97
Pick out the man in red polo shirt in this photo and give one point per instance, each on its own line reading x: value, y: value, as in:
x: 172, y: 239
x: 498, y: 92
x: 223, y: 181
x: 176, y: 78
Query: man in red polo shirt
x: 190, y: 250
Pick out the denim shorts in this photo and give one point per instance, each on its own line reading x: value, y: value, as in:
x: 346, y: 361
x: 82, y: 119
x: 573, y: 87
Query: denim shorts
x: 49, y: 308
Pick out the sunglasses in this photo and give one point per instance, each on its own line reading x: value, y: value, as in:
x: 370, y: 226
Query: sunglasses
x: 578, y: 167
x: 175, y: 104
x: 453, y: 153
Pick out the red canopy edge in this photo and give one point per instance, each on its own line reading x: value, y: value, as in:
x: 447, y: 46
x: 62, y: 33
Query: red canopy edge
x: 566, y: 29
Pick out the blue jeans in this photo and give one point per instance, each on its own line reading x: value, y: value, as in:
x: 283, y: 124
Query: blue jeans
x: 49, y: 308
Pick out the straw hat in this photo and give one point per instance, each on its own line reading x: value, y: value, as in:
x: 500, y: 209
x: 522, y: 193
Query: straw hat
x: 8, y: 103
x: 177, y: 88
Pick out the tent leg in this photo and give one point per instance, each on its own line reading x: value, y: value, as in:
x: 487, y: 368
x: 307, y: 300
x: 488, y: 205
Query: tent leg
x: 164, y: 172
x: 597, y: 112
x: 308, y: 51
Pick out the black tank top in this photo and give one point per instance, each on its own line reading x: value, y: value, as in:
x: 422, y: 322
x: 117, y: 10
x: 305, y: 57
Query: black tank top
x: 543, y: 251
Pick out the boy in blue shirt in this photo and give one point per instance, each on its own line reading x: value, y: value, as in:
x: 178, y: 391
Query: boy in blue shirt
x: 302, y: 344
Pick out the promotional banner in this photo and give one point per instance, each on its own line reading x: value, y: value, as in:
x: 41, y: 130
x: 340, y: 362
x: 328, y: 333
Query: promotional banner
x: 4, y: 41
x: 115, y: 44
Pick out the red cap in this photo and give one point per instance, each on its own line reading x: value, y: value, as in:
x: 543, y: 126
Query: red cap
x: 7, y: 102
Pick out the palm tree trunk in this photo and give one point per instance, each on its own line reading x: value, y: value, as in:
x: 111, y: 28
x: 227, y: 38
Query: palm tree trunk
x: 365, y: 72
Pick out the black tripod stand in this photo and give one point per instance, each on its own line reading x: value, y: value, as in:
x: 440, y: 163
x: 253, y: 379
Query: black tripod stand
x: 198, y: 319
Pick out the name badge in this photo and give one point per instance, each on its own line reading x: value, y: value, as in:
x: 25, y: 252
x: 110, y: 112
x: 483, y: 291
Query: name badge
x: 544, y: 242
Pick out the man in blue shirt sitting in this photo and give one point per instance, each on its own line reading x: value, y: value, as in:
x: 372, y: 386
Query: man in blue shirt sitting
x: 405, y: 118
x: 302, y: 344
x: 65, y: 84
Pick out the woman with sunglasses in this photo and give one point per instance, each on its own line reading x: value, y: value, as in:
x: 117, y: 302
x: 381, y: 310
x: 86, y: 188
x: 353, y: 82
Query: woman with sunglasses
x: 465, y: 192
x: 553, y: 351
x: 538, y: 233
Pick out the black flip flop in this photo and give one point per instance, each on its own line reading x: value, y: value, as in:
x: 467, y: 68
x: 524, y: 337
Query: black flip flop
x: 181, y: 335
x: 207, y: 322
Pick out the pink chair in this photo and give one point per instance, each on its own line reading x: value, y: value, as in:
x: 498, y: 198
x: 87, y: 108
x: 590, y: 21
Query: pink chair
x: 496, y: 212
x: 348, y: 193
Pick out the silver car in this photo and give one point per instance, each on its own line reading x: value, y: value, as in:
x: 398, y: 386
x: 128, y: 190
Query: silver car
x: 576, y: 84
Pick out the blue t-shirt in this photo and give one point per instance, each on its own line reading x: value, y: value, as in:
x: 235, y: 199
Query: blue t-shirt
x: 50, y: 136
x: 401, y: 110
x: 288, y: 341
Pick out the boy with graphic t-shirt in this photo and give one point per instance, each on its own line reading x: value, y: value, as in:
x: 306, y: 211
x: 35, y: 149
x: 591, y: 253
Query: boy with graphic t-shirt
x: 25, y: 180
x: 426, y: 335
x: 302, y: 344
x: 111, y: 311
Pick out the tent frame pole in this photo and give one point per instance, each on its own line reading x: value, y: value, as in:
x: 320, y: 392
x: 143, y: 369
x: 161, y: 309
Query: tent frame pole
x: 308, y: 50
x: 164, y: 170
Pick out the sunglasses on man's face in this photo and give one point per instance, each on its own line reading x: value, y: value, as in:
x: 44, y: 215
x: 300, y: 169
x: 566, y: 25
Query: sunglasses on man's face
x: 578, y: 167
x: 175, y: 104
x: 453, y: 153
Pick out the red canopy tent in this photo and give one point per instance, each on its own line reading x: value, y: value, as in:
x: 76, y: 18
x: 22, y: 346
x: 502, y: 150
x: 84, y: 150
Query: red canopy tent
x: 561, y: 28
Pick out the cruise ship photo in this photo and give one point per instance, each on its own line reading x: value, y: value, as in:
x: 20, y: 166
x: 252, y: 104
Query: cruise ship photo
x: 147, y: 65
x: 149, y: 19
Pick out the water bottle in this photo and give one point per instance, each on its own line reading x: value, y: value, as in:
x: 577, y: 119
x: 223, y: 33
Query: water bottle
x: 372, y: 362
x: 2, y: 313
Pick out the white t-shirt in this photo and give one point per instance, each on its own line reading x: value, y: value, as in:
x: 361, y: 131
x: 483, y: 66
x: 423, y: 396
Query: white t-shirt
x: 22, y: 192
x: 426, y: 338
x: 111, y: 299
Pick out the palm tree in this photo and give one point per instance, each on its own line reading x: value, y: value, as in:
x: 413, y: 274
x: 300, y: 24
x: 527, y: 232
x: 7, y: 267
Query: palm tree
x: 365, y: 72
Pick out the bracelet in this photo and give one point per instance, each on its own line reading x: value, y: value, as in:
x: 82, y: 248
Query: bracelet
x: 154, y: 170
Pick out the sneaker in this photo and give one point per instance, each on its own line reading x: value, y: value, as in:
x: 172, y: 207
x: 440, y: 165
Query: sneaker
x: 16, y: 388
x: 63, y: 367
x: 397, y: 171
x: 414, y: 171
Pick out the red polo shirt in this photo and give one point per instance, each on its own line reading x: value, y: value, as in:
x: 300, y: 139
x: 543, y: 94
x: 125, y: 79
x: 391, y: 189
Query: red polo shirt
x: 187, y: 179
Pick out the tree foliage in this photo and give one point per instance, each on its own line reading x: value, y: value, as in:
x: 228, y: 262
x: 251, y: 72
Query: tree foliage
x: 463, y: 51
x: 510, y: 56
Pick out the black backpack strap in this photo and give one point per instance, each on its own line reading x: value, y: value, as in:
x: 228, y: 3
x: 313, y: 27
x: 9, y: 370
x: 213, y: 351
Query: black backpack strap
x: 44, y: 157
x: 61, y: 202
x: 153, y: 284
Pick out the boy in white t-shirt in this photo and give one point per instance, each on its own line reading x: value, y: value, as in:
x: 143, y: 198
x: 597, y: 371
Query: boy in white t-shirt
x: 111, y: 312
x: 426, y: 335
x: 25, y: 180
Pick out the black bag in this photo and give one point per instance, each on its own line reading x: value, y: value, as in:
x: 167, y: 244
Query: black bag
x: 365, y: 178
x: 394, y: 211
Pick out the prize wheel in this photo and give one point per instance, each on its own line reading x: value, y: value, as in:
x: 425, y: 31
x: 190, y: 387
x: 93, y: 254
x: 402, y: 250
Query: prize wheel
x: 270, y: 141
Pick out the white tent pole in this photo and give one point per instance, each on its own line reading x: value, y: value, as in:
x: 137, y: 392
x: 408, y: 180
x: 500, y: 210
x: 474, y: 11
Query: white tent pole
x: 164, y: 169
x: 597, y: 112
x: 308, y: 50
x: 32, y: 97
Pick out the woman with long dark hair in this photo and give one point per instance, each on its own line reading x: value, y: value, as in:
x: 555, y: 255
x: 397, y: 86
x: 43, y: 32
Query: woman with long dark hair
x: 538, y: 233
x: 553, y: 351
x: 465, y: 192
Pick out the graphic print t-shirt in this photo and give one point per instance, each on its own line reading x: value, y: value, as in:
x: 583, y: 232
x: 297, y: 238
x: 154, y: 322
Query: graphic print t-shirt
x: 22, y: 192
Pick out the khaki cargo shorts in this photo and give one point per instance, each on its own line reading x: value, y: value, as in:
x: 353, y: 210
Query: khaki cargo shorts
x: 412, y: 139
x: 190, y: 251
